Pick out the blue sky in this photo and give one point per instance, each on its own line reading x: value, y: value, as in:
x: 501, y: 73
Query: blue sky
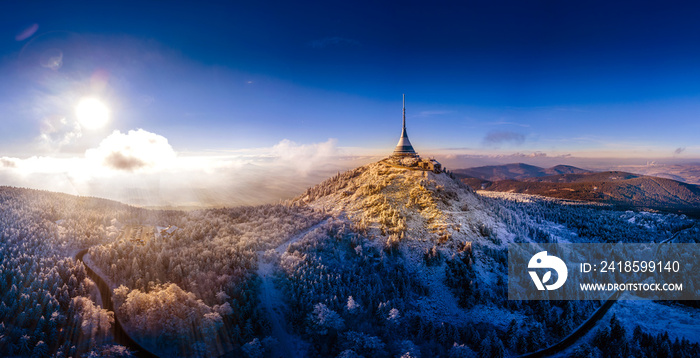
x: 587, y: 79
x: 549, y: 76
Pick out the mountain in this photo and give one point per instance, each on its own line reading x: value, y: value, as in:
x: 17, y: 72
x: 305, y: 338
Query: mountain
x: 444, y: 247
x: 689, y: 173
x: 566, y: 169
x: 613, y: 187
x: 411, y: 203
x: 385, y: 260
x: 516, y: 171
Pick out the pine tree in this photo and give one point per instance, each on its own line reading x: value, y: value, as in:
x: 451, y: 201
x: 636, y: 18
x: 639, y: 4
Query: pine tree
x: 40, y: 350
x: 497, y: 349
x: 512, y: 335
x: 485, y: 348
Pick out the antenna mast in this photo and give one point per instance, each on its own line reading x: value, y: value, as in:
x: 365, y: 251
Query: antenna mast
x: 404, y: 112
x: 404, y: 147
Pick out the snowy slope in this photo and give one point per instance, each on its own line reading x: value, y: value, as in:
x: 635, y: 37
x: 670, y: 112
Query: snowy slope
x: 417, y: 211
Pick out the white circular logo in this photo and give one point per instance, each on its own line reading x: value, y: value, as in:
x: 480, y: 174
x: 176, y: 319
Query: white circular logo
x: 541, y: 260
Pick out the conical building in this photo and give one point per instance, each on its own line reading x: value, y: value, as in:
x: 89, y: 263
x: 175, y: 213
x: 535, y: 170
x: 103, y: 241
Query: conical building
x: 404, y: 147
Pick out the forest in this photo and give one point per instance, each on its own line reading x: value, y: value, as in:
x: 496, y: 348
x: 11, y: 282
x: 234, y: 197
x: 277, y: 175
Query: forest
x: 385, y: 264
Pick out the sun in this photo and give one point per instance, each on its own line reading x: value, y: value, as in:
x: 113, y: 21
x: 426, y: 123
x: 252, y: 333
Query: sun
x: 92, y: 113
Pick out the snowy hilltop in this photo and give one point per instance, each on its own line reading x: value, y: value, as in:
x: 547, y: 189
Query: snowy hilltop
x: 394, y: 258
x: 417, y: 262
x: 405, y: 204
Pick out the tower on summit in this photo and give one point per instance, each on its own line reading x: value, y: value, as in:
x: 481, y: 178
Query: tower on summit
x: 404, y: 147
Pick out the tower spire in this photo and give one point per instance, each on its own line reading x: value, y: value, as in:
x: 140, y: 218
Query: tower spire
x: 404, y: 147
x: 404, y: 113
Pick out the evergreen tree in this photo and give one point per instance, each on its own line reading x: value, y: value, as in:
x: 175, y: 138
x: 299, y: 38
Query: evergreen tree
x: 512, y: 335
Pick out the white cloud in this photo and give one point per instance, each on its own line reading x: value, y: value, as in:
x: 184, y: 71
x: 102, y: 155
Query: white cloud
x: 133, y: 151
x: 304, y: 157
x: 142, y: 168
x: 57, y: 131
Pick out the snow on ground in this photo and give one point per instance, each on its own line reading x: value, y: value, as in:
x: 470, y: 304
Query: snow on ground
x: 428, y: 204
x: 433, y: 210
x: 272, y: 302
x: 531, y: 198
x: 440, y: 305
x: 289, y: 345
x: 652, y: 316
x: 88, y: 261
x: 498, y: 317
x: 656, y: 317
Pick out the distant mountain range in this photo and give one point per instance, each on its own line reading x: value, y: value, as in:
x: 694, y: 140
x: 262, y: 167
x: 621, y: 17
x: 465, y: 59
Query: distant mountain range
x: 567, y: 182
x: 688, y: 173
x: 517, y: 171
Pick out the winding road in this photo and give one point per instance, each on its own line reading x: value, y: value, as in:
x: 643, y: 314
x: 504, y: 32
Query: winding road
x: 271, y: 298
x: 593, y: 320
x: 579, y: 332
x: 291, y: 345
x: 120, y: 335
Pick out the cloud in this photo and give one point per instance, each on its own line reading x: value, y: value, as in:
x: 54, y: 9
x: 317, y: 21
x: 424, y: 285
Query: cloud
x: 57, y: 131
x: 141, y: 168
x: 8, y: 162
x: 679, y: 150
x: 496, y: 138
x: 132, y: 151
x: 523, y: 155
x: 118, y: 160
x: 333, y: 41
x: 304, y: 157
x: 27, y: 32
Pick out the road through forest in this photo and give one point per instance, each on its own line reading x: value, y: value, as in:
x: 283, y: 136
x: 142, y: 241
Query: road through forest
x: 120, y: 336
x: 593, y: 320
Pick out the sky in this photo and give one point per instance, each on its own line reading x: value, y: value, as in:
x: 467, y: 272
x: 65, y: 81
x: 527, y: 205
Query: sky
x: 203, y: 94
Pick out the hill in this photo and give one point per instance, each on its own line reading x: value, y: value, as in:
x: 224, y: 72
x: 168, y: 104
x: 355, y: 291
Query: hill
x: 612, y: 187
x: 444, y: 248
x: 516, y: 171
x: 418, y: 207
x: 688, y: 173
x: 379, y: 261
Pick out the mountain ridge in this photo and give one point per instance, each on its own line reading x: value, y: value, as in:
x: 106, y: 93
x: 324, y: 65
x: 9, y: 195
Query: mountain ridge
x: 618, y: 188
x: 517, y: 171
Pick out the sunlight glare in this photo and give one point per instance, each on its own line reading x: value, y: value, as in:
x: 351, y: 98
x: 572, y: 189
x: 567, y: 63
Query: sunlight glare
x: 92, y: 113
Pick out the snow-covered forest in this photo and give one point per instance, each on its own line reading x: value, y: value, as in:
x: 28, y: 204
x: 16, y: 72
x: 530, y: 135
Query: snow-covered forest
x: 47, y: 303
x: 375, y: 262
x: 201, y: 275
x: 190, y: 291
